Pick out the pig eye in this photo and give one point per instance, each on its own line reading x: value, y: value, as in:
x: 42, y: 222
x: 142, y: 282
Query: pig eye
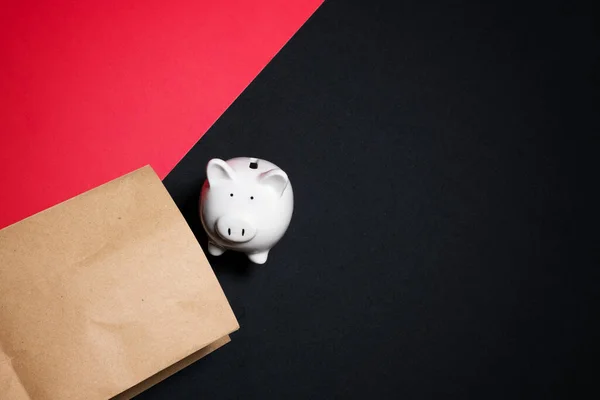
x: 251, y: 197
x: 230, y: 194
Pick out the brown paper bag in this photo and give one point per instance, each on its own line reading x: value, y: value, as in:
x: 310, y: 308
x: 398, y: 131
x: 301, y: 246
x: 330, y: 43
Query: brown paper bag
x: 105, y: 295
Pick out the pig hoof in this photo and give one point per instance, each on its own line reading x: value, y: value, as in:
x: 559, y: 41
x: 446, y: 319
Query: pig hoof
x: 259, y: 258
x: 215, y: 250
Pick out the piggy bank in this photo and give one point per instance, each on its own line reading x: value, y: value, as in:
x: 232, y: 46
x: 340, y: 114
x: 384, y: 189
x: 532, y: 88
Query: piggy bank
x: 246, y: 205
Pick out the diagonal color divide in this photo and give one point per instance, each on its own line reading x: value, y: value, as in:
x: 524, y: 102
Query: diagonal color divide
x: 92, y: 90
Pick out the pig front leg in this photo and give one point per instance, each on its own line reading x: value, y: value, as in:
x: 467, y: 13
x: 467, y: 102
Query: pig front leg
x: 215, y: 250
x: 259, y: 258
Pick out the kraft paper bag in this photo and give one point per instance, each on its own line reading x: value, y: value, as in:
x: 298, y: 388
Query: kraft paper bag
x: 104, y: 295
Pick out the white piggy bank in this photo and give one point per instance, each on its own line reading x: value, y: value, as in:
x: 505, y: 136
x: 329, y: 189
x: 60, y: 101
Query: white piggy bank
x: 246, y: 205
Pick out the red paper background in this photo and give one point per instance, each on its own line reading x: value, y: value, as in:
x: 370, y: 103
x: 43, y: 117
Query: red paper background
x: 91, y: 90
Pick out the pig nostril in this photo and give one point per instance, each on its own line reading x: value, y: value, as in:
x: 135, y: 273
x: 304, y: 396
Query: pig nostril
x: 232, y: 230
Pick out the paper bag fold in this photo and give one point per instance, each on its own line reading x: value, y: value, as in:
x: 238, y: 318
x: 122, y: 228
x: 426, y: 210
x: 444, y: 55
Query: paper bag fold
x: 103, y: 292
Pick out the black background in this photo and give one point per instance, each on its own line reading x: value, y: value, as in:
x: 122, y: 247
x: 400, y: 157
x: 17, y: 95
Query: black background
x: 440, y: 157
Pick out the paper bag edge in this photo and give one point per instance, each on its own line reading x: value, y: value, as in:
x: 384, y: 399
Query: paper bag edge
x: 171, y: 370
x: 145, y: 167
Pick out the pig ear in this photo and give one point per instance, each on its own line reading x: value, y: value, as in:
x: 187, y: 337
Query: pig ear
x: 276, y: 179
x: 218, y: 170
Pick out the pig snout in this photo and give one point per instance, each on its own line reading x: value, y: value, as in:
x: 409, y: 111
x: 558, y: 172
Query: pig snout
x: 235, y: 229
